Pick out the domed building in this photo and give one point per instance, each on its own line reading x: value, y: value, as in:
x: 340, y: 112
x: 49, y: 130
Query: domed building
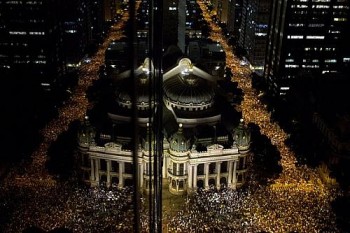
x: 199, y: 150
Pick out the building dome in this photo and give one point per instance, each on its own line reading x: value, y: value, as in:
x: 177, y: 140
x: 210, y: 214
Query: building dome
x: 178, y: 142
x: 124, y: 93
x: 188, y: 90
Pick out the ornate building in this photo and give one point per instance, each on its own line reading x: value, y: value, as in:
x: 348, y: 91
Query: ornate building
x: 199, y: 151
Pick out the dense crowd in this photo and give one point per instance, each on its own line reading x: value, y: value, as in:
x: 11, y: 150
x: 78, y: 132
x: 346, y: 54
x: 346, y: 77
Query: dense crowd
x: 29, y: 194
x: 73, y: 109
x: 298, y: 189
x: 256, y: 209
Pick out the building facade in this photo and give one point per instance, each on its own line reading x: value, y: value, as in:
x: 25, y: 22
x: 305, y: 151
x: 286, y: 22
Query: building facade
x: 198, y: 151
x: 253, y: 34
x: 30, y: 40
x: 305, y: 36
x: 44, y: 39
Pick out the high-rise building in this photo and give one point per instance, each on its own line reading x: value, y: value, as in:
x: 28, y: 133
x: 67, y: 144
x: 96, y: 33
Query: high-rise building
x: 305, y: 36
x: 234, y: 17
x: 41, y: 39
x: 30, y: 43
x: 223, y: 10
x: 75, y: 30
x: 110, y: 9
x: 82, y: 28
x: 253, y: 34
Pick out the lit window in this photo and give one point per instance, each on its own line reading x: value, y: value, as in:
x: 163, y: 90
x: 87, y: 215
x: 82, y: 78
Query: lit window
x: 13, y: 2
x: 296, y: 25
x: 37, y: 33
x: 315, y: 37
x: 340, y: 19
x: 310, y: 66
x: 17, y: 33
x: 40, y: 62
x: 330, y: 60
x: 316, y: 25
x: 341, y: 7
x: 291, y: 66
x: 71, y: 31
x: 320, y: 6
x: 295, y: 37
x: 34, y: 3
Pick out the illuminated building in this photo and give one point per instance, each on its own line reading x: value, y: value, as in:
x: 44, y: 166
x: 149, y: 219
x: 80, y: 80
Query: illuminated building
x: 253, y: 34
x: 305, y: 36
x: 234, y: 17
x: 44, y: 39
x: 30, y: 40
x: 222, y: 11
x: 198, y: 151
x: 110, y: 9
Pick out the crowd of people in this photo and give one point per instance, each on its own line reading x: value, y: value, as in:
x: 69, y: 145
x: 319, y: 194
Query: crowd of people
x: 73, y: 109
x: 288, y: 192
x: 296, y: 201
x: 29, y: 194
x: 256, y: 208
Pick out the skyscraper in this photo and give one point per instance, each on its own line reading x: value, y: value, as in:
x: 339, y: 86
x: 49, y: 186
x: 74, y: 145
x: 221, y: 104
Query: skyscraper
x: 305, y: 37
x: 29, y: 40
x: 253, y: 35
x: 234, y: 17
x: 40, y: 39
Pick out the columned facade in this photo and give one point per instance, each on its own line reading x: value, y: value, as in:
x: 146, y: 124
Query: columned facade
x: 218, y: 167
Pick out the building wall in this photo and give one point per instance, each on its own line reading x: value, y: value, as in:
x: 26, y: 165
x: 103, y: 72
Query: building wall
x: 30, y: 40
x: 253, y: 34
x: 305, y: 36
x: 186, y: 171
x: 40, y: 39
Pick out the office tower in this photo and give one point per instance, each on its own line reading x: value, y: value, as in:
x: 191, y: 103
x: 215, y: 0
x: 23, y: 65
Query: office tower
x: 253, y: 35
x: 75, y: 32
x: 96, y: 16
x: 39, y: 40
x: 234, y: 18
x: 170, y: 19
x: 222, y: 11
x: 182, y: 12
x: 82, y: 28
x: 305, y: 37
x: 109, y: 10
x: 30, y: 46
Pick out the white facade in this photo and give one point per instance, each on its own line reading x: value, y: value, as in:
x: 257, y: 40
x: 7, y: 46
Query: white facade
x: 185, y: 170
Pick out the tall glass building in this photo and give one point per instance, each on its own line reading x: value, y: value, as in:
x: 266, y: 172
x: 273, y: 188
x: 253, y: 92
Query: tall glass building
x: 305, y: 36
